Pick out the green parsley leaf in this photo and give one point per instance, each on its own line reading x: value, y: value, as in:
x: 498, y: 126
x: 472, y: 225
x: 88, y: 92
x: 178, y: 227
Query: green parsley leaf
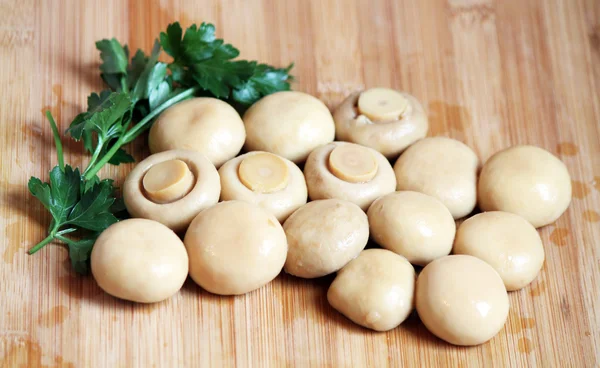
x: 121, y: 157
x: 60, y: 195
x: 80, y: 252
x: 92, y: 211
x: 114, y: 56
x: 95, y: 100
x: 106, y: 119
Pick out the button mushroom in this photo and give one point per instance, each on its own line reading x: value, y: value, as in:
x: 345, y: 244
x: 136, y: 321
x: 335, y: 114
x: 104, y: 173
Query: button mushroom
x: 139, y: 260
x: 443, y: 168
x: 375, y: 290
x: 507, y: 242
x: 414, y: 225
x: 528, y: 181
x: 323, y: 236
x: 348, y: 171
x: 383, y: 119
x: 171, y: 187
x: 235, y: 247
x: 270, y: 181
x: 461, y: 299
x: 288, y: 124
x: 203, y: 124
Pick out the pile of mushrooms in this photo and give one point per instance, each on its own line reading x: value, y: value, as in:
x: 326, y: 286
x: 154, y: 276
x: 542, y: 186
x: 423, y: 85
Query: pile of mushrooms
x: 245, y: 218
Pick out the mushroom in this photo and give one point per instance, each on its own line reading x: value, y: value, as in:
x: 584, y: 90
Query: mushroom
x: 288, y: 124
x: 375, y: 290
x: 172, y: 187
x: 443, y: 168
x: 505, y: 241
x: 323, y: 236
x: 348, y: 171
x: 528, y: 181
x: 384, y: 119
x: 203, y: 124
x: 270, y: 181
x: 235, y: 247
x: 414, y: 225
x: 139, y: 260
x: 461, y: 299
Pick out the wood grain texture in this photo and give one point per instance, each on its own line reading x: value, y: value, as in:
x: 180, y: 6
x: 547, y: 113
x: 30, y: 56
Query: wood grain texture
x: 491, y: 73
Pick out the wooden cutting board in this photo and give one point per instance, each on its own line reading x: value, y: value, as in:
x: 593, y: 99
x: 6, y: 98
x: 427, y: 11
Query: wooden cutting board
x: 490, y: 73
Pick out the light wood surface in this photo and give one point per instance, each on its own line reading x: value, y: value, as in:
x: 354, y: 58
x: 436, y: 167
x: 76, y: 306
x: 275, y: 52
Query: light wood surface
x: 491, y: 73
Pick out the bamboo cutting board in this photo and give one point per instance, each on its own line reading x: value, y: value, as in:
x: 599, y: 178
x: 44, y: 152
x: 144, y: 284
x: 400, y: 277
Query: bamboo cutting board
x: 491, y: 73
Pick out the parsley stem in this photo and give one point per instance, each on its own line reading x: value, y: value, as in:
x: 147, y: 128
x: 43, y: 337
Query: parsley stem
x: 137, y: 129
x: 64, y: 239
x: 57, y: 142
x: 124, y: 85
x: 53, y: 235
x: 65, y: 231
x: 42, y: 244
x: 97, y: 151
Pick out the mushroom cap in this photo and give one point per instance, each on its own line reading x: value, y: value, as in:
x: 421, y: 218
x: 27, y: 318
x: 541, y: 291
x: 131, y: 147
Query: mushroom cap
x: 374, y: 290
x: 323, y: 184
x: 204, y: 124
x: 323, y: 236
x: 528, y: 181
x: 507, y: 242
x: 175, y: 215
x: 281, y: 203
x: 289, y: 124
x: 139, y: 260
x: 414, y: 225
x: 461, y: 299
x: 389, y: 137
x: 235, y: 247
x: 443, y: 168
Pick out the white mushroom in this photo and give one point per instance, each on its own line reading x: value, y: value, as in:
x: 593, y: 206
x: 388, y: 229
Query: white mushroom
x: 270, y: 181
x: 375, y: 290
x: 207, y: 125
x: 507, y: 242
x: 288, y: 124
x: 235, y: 247
x: 414, y: 225
x: 461, y: 299
x: 323, y: 236
x: 139, y: 260
x: 350, y: 172
x: 528, y: 181
x: 443, y: 168
x: 383, y: 119
x: 171, y: 187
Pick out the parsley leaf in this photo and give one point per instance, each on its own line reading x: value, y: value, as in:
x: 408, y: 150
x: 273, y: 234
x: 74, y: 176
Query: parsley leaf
x: 60, y: 195
x: 201, y: 59
x: 92, y: 211
x: 80, y: 252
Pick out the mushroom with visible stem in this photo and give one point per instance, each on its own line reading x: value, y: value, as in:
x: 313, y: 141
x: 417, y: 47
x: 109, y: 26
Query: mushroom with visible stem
x: 172, y: 187
x: 270, y: 181
x: 383, y: 119
x: 350, y: 172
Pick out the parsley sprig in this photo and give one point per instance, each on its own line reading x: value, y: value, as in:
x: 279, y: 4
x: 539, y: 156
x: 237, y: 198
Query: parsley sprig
x: 139, y: 89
